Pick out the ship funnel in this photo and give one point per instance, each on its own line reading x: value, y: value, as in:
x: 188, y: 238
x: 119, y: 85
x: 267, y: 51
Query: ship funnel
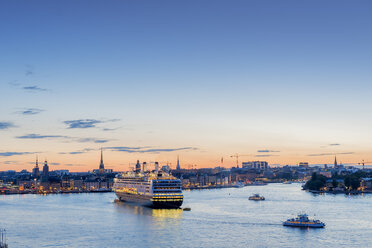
x: 138, y: 167
x: 156, y: 167
x: 144, y: 167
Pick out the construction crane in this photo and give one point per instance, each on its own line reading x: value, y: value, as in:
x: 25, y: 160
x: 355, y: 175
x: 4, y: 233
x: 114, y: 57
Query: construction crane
x: 236, y: 155
x: 363, y: 163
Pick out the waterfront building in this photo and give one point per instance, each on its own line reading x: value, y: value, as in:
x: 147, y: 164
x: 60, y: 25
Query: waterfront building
x: 366, y: 183
x: 55, y: 187
x: 60, y: 172
x: 263, y: 165
x: 303, y: 164
x: 66, y: 183
x: 27, y: 184
x: 96, y: 185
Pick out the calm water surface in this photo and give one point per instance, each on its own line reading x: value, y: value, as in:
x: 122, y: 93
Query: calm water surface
x: 219, y: 218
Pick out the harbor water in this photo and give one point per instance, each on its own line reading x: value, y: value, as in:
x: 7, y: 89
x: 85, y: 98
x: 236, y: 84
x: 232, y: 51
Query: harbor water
x: 218, y: 218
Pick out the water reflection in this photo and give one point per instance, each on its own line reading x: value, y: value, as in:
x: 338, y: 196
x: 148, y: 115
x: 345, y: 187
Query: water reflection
x: 167, y: 213
x: 136, y: 209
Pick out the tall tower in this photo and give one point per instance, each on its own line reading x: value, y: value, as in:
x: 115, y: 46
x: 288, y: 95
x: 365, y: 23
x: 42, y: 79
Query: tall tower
x: 101, y: 165
x: 178, y: 163
x: 45, y: 175
x: 138, y: 167
x: 46, y: 169
x: 36, y: 170
x: 335, y: 164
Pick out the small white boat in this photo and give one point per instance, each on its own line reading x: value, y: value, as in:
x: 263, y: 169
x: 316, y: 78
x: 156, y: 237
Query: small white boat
x: 256, y: 197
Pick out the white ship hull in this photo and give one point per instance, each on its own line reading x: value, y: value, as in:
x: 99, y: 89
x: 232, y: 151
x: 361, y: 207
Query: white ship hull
x: 148, y: 201
x: 156, y: 190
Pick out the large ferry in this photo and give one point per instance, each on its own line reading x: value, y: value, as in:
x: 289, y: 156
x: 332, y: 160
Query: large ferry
x: 156, y: 189
x: 303, y: 220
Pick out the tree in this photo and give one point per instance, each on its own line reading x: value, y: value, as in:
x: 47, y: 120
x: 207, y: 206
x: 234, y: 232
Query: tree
x: 352, y: 182
x: 334, y: 183
x: 316, y: 182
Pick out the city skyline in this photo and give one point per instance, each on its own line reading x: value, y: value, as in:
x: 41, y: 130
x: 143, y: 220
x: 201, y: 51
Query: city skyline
x: 280, y: 82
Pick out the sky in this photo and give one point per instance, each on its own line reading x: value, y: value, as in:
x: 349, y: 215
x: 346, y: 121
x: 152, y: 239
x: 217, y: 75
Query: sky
x: 279, y: 81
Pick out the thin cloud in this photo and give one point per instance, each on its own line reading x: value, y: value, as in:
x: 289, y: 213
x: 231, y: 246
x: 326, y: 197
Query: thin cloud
x: 110, y: 129
x: 10, y: 154
x: 29, y: 70
x: 38, y: 136
x: 147, y: 149
x: 82, y: 123
x: 267, y: 151
x: 87, y: 123
x: 329, y: 154
x: 30, y: 111
x: 169, y: 149
x: 113, y: 120
x: 73, y: 164
x: 266, y: 155
x: 328, y: 145
x: 27, y: 88
x: 14, y: 83
x: 67, y: 138
x: 6, y: 125
x: 123, y: 148
x: 33, y: 88
x: 320, y: 154
x: 10, y: 162
x: 94, y: 140
x: 71, y: 153
x: 78, y: 152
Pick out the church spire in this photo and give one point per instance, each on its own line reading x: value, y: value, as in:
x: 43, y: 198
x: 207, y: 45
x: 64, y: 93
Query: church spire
x: 101, y: 165
x: 335, y: 164
x: 178, y: 163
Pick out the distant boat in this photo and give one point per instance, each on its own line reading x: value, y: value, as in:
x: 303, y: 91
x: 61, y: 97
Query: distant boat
x: 303, y: 220
x: 256, y: 197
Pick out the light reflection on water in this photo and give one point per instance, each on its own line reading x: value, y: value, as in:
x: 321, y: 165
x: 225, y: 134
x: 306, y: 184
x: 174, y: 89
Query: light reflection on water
x: 130, y: 208
x: 218, y: 218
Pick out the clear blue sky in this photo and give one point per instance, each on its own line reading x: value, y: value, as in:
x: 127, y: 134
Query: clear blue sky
x: 209, y: 78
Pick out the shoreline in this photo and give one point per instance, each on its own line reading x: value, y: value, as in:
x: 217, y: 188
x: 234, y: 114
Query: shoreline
x: 55, y: 193
x: 339, y: 192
